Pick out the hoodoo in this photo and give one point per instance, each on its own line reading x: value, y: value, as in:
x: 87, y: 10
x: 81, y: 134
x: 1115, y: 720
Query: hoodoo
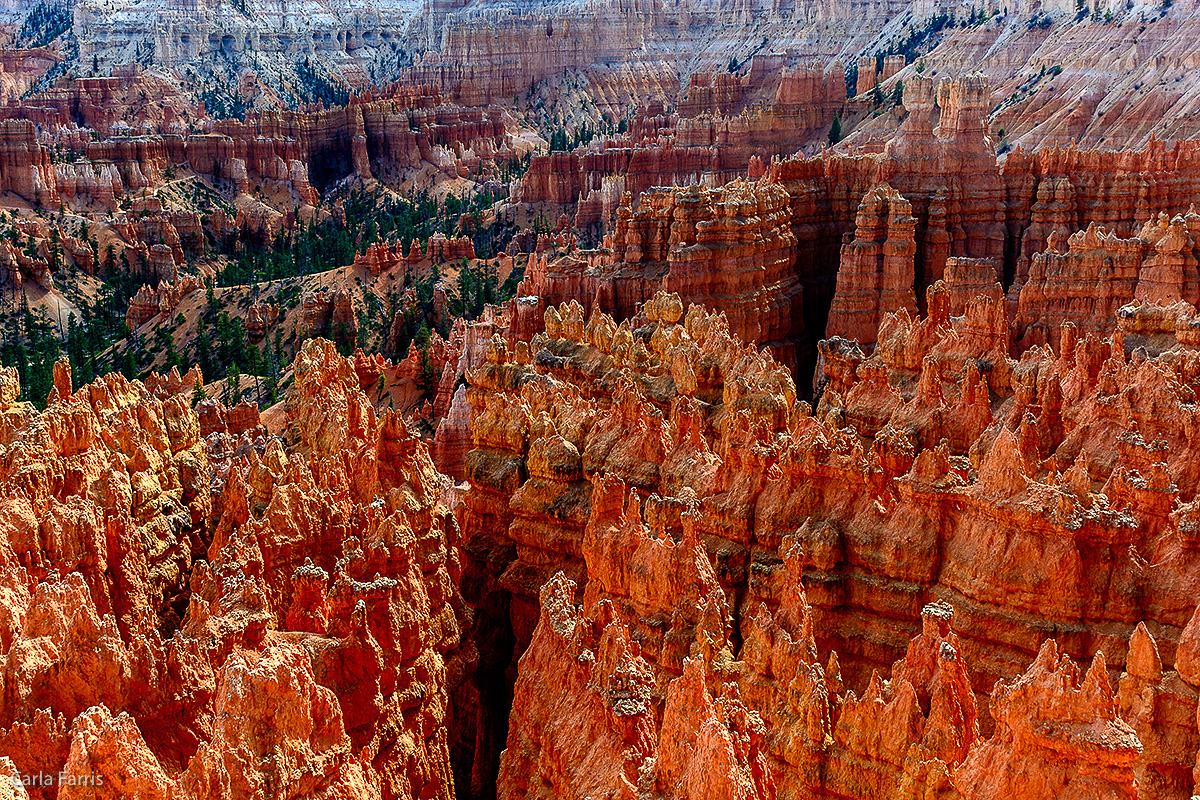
x: 643, y: 401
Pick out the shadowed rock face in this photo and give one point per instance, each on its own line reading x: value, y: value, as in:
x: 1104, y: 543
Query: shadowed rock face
x: 304, y: 152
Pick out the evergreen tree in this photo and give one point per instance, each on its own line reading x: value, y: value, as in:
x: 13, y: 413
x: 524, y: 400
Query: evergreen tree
x: 129, y: 368
x: 233, y: 388
x: 426, y: 377
x: 835, y: 130
x: 204, y: 351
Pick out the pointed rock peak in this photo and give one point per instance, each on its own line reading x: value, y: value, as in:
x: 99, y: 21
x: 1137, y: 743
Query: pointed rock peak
x: 833, y: 669
x: 1003, y: 469
x: 633, y: 506
x: 936, y: 618
x: 1097, y: 691
x: 1187, y: 655
x: 692, y: 683
x: 1143, y: 660
x: 557, y: 598
x: 876, y: 690
x: 1047, y: 657
x: 1076, y: 479
x: 1028, y: 436
x: 62, y: 380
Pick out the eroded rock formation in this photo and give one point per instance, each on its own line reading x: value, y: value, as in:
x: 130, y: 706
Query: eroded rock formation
x: 737, y: 573
x: 876, y: 271
x: 321, y: 630
x: 629, y: 560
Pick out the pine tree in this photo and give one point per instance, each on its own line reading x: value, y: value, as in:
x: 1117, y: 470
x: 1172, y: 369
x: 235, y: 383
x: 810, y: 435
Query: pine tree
x: 129, y: 368
x: 271, y: 369
x: 204, y: 351
x: 233, y: 387
x: 835, y: 130
x: 426, y: 376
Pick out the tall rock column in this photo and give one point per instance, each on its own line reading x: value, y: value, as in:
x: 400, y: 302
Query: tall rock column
x: 735, y: 247
x: 876, y: 272
x: 867, y: 79
x: 359, y: 154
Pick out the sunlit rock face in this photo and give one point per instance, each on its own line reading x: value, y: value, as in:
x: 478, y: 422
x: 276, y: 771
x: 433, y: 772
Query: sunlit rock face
x: 836, y: 443
x: 735, y: 590
x: 177, y: 607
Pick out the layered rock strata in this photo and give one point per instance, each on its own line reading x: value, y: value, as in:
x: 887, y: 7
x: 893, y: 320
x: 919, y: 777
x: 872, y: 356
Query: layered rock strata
x: 1100, y: 272
x: 301, y: 152
x: 876, y: 271
x: 966, y: 208
x: 712, y: 137
x: 731, y: 247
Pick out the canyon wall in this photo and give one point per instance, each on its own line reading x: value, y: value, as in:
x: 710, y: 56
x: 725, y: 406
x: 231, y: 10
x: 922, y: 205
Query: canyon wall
x: 850, y: 262
x: 732, y: 247
x: 304, y: 152
x: 711, y: 138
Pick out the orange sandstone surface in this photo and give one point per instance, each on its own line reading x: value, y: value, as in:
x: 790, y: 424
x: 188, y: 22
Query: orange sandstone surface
x: 236, y: 616
x: 960, y: 574
x: 963, y: 575
x: 630, y: 558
